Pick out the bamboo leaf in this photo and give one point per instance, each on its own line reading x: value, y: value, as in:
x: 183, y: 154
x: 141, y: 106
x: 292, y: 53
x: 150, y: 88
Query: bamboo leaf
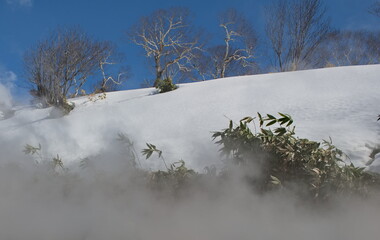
x: 261, y: 122
x: 271, y: 123
x: 275, y: 180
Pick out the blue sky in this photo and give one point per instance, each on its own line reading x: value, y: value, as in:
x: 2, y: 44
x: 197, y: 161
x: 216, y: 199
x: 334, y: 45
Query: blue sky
x: 24, y: 22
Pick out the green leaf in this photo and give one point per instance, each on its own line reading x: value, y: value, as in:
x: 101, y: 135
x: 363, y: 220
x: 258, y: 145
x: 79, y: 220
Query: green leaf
x: 289, y: 123
x: 271, y: 123
x: 283, y: 120
x: 58, y: 161
x: 280, y: 131
x: 147, y: 152
x: 121, y: 137
x: 247, y: 119
x: 29, y: 149
x: 316, y: 170
x: 275, y: 180
x: 260, y: 119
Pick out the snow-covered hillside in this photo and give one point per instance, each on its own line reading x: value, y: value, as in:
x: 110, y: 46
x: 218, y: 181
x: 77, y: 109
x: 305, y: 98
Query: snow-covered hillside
x: 341, y: 103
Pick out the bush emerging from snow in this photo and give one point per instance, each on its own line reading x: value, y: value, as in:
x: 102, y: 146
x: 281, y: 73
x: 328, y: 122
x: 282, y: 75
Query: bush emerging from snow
x: 265, y: 161
x: 165, y: 85
x: 313, y: 169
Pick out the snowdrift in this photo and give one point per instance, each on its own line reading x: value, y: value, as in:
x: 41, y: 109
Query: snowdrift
x: 341, y: 103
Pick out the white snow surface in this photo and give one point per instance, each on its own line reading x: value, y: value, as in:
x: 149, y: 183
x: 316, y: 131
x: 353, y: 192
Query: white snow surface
x: 341, y: 103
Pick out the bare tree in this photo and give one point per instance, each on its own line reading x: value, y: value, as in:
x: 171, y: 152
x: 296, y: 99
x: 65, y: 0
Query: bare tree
x: 59, y: 66
x: 375, y: 9
x: 344, y: 48
x: 295, y: 28
x: 111, y: 81
x: 168, y: 39
x: 276, y: 17
x: 236, y: 55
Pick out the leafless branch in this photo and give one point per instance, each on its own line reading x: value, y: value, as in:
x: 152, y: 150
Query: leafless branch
x: 59, y: 66
x: 234, y: 57
x: 375, y: 9
x: 295, y: 28
x: 349, y: 48
x: 167, y: 38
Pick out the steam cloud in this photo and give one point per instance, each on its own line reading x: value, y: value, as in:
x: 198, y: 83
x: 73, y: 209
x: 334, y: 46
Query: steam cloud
x: 99, y: 202
x: 7, y: 79
x: 107, y: 199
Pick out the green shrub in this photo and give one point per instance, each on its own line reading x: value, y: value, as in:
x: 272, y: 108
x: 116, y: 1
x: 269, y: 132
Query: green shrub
x: 176, y: 178
x: 314, y: 169
x: 165, y: 85
x: 267, y: 158
x: 54, y: 164
x: 66, y: 107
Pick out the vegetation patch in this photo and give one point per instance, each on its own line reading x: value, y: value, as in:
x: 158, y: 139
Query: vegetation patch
x: 268, y: 159
x: 316, y: 170
x: 165, y: 85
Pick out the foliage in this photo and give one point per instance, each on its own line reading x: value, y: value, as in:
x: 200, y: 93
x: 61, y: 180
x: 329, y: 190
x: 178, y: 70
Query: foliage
x: 29, y: 149
x: 132, y: 155
x: 66, y: 107
x: 59, y: 66
x: 271, y: 158
x: 165, y: 85
x: 289, y: 161
x: 93, y: 97
x: 53, y: 164
x: 153, y: 149
x: 57, y: 162
x: 175, y: 178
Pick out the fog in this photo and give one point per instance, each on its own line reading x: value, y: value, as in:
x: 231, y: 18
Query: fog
x: 5, y: 97
x: 7, y: 79
x: 106, y: 197
x: 111, y: 199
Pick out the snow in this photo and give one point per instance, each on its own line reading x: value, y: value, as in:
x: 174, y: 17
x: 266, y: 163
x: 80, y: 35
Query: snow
x: 341, y: 103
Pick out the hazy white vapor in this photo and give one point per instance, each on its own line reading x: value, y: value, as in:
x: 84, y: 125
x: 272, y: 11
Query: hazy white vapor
x: 24, y: 3
x: 100, y: 196
x: 7, y: 79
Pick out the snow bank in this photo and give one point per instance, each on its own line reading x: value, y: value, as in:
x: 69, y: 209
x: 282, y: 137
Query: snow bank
x: 341, y: 103
x: 106, y: 201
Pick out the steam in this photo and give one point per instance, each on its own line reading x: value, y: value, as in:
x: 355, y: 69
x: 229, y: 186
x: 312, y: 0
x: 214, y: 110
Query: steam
x: 7, y: 79
x: 108, y: 199
x: 105, y: 197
